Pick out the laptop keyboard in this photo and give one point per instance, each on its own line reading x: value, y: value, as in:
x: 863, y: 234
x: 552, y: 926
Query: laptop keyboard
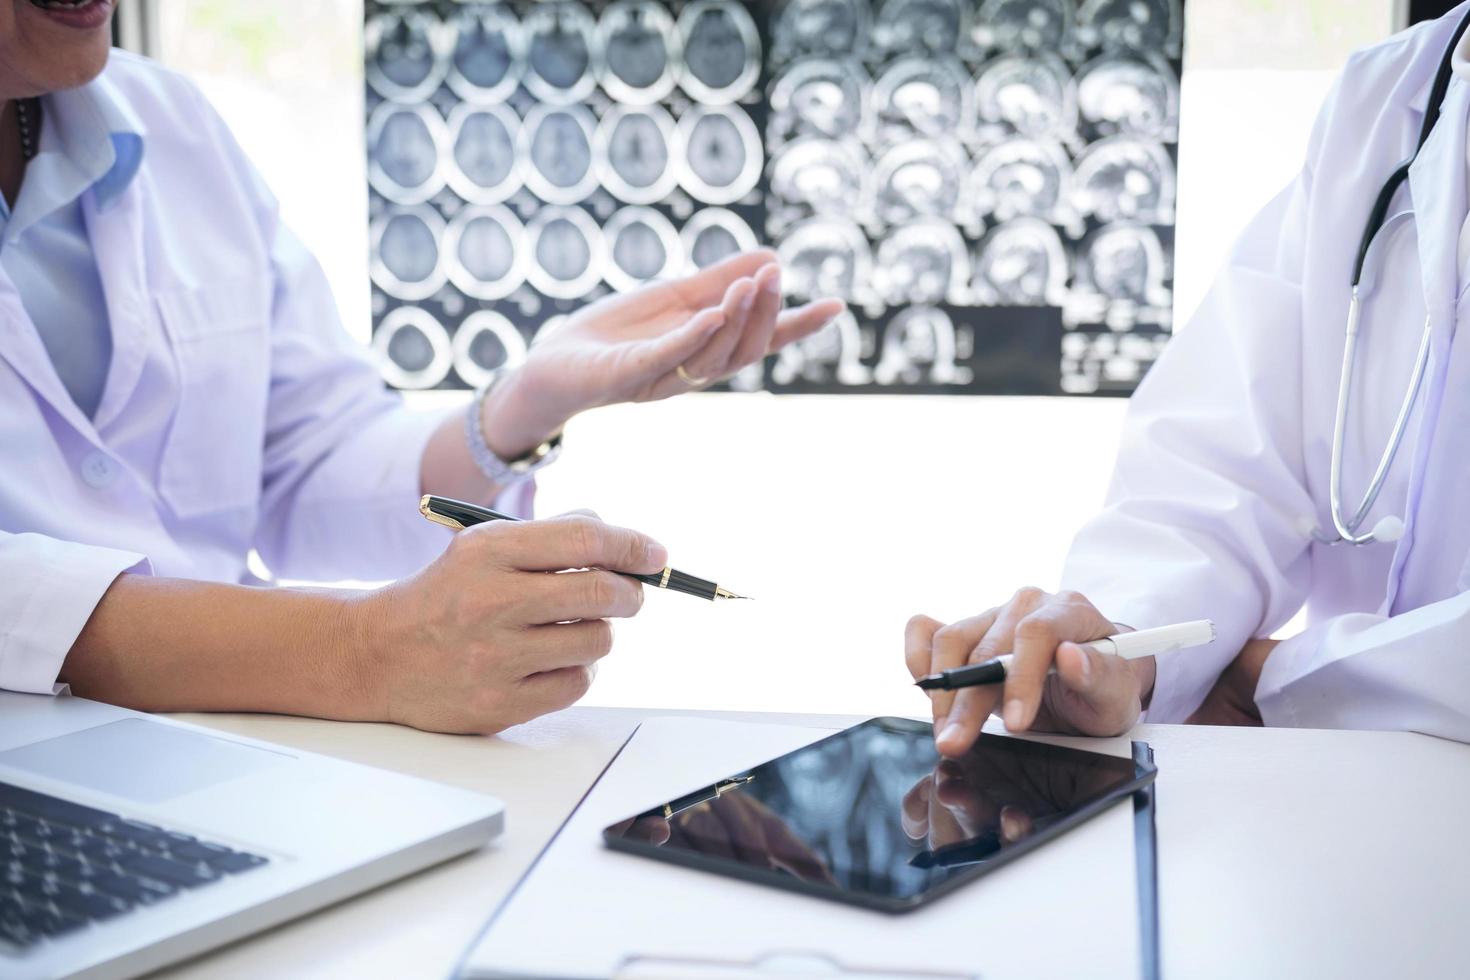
x: 63, y: 866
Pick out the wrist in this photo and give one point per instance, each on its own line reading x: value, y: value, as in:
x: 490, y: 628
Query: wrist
x: 516, y: 419
x: 357, y: 633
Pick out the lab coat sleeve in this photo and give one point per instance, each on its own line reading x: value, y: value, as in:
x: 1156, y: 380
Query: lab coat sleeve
x: 1203, y: 517
x: 1409, y: 672
x: 342, y: 454
x: 51, y: 588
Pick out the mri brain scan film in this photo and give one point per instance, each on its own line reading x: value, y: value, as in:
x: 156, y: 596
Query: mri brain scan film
x: 989, y: 184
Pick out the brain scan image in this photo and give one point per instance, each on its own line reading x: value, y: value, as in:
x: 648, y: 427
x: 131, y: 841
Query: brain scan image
x: 486, y: 342
x: 823, y: 176
x: 413, y: 349
x: 917, y: 179
x: 485, y: 248
x: 634, y: 148
x: 928, y: 96
x: 488, y: 56
x: 406, y: 243
x: 825, y: 257
x: 1021, y: 263
x: 1124, y: 264
x: 1021, y: 177
x: 561, y: 39
x: 641, y: 50
x: 1031, y: 25
x: 557, y: 141
x: 567, y: 248
x: 486, y: 169
x: 819, y: 27
x: 404, y: 144
x: 923, y: 262
x: 722, y: 154
x: 918, y: 348
x: 1119, y: 360
x: 722, y: 52
x: 643, y: 246
x: 918, y: 25
x: 404, y: 55
x: 712, y: 235
x: 818, y: 97
x: 1130, y: 95
x: 1032, y: 95
x: 1135, y: 25
x: 938, y: 164
x: 833, y: 353
x: 1122, y: 179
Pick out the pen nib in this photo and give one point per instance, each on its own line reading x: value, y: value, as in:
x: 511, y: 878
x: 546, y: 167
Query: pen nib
x: 721, y: 593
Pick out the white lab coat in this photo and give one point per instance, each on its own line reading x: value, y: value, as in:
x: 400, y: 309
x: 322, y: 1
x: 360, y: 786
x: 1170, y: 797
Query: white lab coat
x: 237, y: 413
x: 1227, y: 444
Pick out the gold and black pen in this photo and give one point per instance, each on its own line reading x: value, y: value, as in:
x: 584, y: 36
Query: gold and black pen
x: 459, y: 515
x: 709, y: 794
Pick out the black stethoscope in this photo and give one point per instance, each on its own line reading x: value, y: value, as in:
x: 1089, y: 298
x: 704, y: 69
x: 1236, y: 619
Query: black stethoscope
x: 1349, y: 528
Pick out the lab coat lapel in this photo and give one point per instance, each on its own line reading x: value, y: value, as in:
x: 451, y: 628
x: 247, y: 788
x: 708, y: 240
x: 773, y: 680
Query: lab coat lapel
x: 117, y: 244
x: 1437, y: 187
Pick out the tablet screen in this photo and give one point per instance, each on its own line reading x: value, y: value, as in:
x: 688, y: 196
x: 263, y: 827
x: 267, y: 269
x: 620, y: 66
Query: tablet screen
x: 874, y: 815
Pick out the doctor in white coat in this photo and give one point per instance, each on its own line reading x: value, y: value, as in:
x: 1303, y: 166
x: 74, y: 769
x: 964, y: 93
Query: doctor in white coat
x: 176, y: 389
x: 1221, y: 506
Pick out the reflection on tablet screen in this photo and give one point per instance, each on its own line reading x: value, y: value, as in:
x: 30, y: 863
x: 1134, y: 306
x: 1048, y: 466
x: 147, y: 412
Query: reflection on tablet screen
x: 874, y: 811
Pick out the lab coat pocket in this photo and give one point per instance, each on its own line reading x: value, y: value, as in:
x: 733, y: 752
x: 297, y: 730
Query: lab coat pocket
x: 221, y: 346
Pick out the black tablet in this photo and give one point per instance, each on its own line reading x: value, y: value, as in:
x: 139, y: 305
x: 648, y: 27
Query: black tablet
x: 872, y: 816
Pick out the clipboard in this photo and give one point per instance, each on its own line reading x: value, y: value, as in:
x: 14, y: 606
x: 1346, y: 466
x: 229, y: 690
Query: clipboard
x: 582, y: 912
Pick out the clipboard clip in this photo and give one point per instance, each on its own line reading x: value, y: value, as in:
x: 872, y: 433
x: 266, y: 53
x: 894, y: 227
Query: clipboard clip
x: 782, y: 965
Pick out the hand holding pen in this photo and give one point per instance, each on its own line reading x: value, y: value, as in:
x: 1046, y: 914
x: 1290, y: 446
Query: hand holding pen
x: 506, y: 624
x: 1055, y: 681
x: 459, y: 515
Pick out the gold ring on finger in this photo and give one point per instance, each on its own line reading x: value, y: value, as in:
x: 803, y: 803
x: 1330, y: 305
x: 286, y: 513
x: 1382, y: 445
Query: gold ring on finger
x: 690, y: 379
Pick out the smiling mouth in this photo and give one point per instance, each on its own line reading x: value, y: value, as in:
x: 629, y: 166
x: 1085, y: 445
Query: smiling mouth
x: 64, y: 4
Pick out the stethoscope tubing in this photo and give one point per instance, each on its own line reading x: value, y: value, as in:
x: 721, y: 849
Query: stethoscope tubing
x: 1348, y: 528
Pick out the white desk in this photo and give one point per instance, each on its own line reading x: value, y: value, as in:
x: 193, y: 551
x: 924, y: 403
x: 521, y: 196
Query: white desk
x: 1282, y: 853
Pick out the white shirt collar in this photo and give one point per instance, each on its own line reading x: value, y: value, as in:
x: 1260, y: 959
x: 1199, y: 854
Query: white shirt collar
x: 89, y: 139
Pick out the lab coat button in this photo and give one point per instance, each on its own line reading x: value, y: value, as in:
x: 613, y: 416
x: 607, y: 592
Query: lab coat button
x: 98, y: 470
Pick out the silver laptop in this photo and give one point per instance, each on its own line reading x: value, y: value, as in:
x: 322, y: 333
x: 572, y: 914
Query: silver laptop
x: 128, y: 842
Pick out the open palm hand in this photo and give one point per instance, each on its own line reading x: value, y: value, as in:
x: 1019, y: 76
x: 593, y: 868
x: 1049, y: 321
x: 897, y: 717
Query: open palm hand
x: 631, y: 347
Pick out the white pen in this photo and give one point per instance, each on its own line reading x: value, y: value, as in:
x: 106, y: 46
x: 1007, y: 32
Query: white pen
x: 1129, y: 646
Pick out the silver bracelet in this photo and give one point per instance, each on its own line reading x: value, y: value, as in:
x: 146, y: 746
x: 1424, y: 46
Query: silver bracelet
x: 503, y: 472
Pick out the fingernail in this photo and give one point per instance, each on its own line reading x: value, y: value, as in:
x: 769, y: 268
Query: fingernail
x: 1086, y: 665
x: 951, y: 733
x: 1015, y: 712
x: 772, y: 282
x: 749, y: 300
x: 657, y: 554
